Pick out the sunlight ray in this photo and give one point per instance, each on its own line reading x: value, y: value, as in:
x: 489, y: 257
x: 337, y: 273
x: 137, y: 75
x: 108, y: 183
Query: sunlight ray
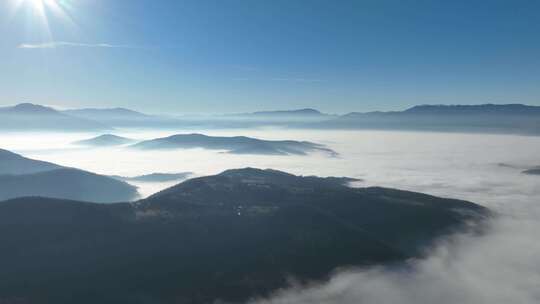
x: 40, y: 13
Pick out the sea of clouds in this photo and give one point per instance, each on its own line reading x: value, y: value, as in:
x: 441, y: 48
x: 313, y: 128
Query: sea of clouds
x: 502, y: 266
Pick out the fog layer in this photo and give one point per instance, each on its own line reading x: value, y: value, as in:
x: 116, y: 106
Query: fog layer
x: 502, y: 266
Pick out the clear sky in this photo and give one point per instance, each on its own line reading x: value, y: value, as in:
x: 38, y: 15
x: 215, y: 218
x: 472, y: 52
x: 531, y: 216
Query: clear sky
x: 234, y: 56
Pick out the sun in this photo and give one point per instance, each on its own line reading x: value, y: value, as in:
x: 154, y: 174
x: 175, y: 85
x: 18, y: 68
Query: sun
x: 54, y: 8
x: 41, y: 4
x: 39, y: 13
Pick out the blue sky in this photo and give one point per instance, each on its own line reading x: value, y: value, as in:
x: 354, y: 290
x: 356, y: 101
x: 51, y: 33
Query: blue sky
x: 235, y: 56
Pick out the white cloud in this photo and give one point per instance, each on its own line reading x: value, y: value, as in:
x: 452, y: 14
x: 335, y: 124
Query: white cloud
x: 56, y: 44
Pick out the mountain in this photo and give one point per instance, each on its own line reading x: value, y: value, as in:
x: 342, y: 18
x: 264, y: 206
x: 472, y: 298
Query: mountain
x: 105, y: 140
x: 21, y: 176
x: 234, y: 145
x: 229, y: 237
x: 11, y: 163
x: 156, y: 177
x: 283, y: 117
x: 487, y: 118
x: 67, y: 184
x: 29, y: 109
x: 250, y: 191
x: 27, y: 116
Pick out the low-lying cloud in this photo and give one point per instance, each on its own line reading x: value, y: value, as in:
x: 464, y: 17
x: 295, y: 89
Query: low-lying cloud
x: 500, y: 267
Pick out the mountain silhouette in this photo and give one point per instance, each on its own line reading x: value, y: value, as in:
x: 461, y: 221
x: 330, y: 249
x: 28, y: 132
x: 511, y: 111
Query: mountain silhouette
x: 234, y: 145
x: 29, y: 108
x: 27, y: 116
x: 487, y: 118
x: 505, y: 109
x: 105, y: 140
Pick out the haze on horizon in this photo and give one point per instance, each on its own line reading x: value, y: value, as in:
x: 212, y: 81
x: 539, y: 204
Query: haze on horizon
x: 245, y: 56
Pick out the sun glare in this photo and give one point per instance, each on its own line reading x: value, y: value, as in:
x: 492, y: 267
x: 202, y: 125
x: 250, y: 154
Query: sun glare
x: 53, y: 6
x: 42, y: 12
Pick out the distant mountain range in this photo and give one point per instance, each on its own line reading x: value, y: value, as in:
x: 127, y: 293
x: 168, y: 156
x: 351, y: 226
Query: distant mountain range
x: 216, y: 239
x: 20, y: 176
x: 485, y: 109
x: 285, y: 115
x: 31, y: 117
x: 299, y: 112
x: 234, y: 145
x: 486, y: 118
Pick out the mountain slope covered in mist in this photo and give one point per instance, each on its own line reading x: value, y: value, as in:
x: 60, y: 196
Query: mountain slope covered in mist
x: 21, y: 176
x: 232, y: 236
x: 12, y: 163
x: 67, y: 184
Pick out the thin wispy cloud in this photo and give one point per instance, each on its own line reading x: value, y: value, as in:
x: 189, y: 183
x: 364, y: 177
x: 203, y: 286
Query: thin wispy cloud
x: 57, y: 44
x: 247, y: 68
x: 305, y: 80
